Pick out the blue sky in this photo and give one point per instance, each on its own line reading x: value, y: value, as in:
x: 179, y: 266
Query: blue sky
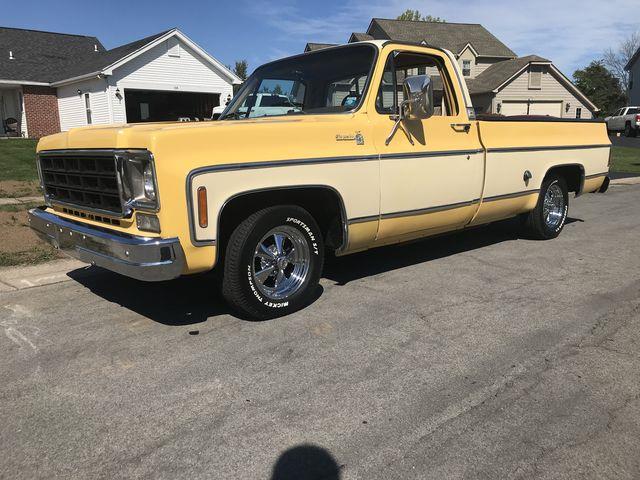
x: 571, y: 33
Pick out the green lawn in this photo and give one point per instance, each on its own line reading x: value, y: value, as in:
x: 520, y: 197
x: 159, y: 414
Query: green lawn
x: 18, y: 160
x: 625, y: 159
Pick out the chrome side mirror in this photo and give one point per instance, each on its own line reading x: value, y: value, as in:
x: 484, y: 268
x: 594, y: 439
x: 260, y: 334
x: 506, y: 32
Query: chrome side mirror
x: 418, y: 103
x: 418, y: 91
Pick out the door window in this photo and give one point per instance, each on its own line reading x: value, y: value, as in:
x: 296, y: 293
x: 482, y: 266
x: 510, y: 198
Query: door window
x: 401, y: 65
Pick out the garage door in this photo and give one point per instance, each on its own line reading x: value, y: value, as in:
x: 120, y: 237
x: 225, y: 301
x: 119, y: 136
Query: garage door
x: 553, y: 109
x: 513, y: 108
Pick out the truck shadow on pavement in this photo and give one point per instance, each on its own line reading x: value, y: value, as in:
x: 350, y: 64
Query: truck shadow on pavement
x: 343, y: 270
x: 184, y: 301
x: 195, y: 299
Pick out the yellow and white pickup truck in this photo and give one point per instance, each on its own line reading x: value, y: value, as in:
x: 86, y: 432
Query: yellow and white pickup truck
x: 366, y: 144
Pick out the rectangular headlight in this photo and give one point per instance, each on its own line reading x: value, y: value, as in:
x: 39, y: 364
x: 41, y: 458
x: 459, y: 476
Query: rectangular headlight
x: 137, y: 176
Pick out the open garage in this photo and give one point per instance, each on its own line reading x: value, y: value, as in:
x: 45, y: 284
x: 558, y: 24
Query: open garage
x: 159, y: 106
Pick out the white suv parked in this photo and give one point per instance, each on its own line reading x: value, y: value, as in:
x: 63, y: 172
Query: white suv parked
x: 625, y: 120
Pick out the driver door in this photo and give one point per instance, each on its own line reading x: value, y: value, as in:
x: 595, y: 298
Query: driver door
x: 431, y: 171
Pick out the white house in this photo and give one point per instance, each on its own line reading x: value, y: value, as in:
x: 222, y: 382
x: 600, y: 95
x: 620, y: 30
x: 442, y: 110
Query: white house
x: 52, y: 82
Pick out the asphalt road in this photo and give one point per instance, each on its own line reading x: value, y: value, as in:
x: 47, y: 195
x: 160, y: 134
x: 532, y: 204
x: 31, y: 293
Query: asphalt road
x: 478, y: 355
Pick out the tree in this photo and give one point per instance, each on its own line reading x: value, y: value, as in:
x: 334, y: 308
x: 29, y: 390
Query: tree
x: 616, y: 60
x: 277, y: 90
x: 241, y: 69
x: 601, y: 86
x: 416, y: 16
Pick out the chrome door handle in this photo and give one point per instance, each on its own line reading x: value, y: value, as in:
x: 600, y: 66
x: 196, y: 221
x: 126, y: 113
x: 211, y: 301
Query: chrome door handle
x: 461, y: 127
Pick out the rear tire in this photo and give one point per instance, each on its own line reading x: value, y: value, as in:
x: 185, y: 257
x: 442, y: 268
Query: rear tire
x: 547, y: 220
x: 629, y: 131
x: 273, y: 263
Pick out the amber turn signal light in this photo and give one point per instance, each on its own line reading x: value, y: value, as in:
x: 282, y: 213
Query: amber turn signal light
x: 203, y: 215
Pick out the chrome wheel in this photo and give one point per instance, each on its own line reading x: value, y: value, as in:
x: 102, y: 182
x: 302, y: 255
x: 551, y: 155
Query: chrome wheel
x: 553, y: 209
x: 281, y: 262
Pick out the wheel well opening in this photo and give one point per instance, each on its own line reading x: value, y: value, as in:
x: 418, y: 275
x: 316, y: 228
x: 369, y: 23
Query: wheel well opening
x: 572, y: 175
x: 323, y: 203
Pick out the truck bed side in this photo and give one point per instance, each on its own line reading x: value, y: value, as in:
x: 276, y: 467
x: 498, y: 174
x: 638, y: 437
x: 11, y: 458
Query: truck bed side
x: 518, y: 147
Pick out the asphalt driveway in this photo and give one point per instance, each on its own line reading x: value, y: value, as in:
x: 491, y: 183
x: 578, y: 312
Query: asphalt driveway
x: 622, y: 141
x: 478, y: 355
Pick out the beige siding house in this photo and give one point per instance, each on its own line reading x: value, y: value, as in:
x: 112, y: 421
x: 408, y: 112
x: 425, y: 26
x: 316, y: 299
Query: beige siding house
x: 633, y: 67
x: 499, y: 81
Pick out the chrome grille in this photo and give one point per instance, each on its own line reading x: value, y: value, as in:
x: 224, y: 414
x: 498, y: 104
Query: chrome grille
x: 87, y: 180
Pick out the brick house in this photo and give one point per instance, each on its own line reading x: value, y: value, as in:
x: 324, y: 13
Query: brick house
x: 499, y: 81
x: 51, y: 82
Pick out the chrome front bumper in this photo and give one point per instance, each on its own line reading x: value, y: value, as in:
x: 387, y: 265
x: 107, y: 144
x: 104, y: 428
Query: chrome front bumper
x: 143, y: 258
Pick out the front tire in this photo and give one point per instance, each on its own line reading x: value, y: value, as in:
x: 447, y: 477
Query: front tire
x: 547, y: 220
x: 273, y: 263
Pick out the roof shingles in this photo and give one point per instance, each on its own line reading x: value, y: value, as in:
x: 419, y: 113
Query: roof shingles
x: 452, y: 36
x: 500, y: 72
x: 47, y: 57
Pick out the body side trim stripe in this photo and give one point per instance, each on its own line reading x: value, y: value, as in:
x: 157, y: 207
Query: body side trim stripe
x: 422, y: 211
x: 595, y: 175
x: 510, y: 195
x: 368, y: 158
x: 440, y: 208
x: 543, y: 148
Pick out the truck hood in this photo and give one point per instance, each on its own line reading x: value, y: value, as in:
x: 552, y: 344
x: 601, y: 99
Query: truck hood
x: 144, y: 135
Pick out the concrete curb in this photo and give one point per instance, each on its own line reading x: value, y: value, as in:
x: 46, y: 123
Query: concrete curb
x: 19, y: 278
x: 19, y: 200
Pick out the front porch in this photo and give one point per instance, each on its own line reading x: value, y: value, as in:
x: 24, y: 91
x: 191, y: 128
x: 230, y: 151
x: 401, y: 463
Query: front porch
x: 12, y: 118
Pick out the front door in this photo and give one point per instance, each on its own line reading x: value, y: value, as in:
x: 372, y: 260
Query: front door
x: 433, y: 184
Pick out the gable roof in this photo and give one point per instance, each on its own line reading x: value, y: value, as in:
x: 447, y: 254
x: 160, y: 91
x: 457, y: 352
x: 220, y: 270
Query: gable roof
x: 54, y: 58
x: 499, y: 73
x: 632, y: 60
x: 452, y: 36
x: 311, y: 47
x: 40, y: 56
x: 97, y: 63
x: 359, y: 37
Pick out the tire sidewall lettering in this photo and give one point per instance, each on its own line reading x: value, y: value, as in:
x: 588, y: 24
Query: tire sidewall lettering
x: 566, y: 208
x: 305, y: 228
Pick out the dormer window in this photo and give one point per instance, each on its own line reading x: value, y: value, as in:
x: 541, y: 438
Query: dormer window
x: 466, y: 68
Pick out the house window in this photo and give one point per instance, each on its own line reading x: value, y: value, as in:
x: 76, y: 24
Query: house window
x: 578, y: 112
x: 535, y: 77
x: 422, y: 70
x: 466, y: 68
x: 87, y: 106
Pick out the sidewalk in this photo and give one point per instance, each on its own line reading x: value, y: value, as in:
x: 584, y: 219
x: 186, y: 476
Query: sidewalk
x: 19, y: 278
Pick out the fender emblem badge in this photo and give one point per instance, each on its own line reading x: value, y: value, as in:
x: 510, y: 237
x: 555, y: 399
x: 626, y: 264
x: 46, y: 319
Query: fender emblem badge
x: 358, y: 138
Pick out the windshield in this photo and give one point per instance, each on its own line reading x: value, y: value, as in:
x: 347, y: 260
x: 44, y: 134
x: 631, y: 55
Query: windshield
x: 326, y: 81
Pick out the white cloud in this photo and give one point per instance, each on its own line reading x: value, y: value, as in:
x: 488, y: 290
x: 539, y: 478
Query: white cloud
x: 571, y: 33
